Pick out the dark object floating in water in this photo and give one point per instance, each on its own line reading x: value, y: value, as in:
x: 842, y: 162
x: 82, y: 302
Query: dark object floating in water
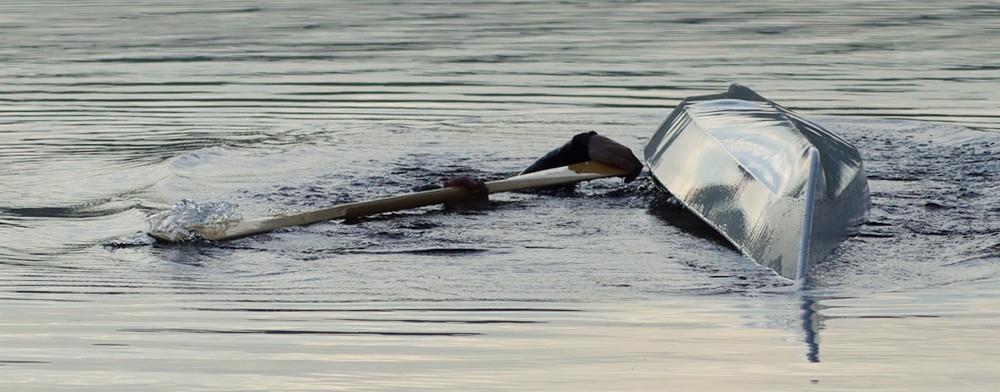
x: 423, y: 251
x: 782, y: 189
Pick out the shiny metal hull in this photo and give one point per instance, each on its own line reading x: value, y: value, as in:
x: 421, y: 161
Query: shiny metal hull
x: 782, y: 189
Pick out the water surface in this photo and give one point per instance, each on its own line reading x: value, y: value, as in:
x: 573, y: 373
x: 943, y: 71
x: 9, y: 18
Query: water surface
x: 114, y: 110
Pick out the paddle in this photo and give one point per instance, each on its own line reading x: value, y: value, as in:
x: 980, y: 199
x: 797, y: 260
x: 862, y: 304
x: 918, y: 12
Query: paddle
x: 558, y: 176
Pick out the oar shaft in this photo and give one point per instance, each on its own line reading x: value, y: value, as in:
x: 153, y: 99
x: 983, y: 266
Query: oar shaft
x: 403, y: 202
x: 558, y: 176
x: 551, y: 177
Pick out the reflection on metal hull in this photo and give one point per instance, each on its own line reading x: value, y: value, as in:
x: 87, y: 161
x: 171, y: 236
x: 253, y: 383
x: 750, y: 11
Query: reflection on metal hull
x: 781, y: 188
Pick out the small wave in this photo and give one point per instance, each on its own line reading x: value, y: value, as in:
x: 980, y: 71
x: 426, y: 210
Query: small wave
x: 292, y: 332
x: 180, y: 222
x: 137, y: 239
x: 425, y: 251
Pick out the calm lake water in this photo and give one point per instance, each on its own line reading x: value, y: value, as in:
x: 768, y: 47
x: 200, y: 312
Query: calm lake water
x: 113, y: 110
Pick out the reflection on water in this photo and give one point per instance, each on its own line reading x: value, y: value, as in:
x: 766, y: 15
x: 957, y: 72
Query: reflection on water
x: 709, y: 342
x: 811, y: 325
x: 114, y: 110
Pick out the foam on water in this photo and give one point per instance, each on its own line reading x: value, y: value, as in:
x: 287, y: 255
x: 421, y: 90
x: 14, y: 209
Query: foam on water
x: 179, y: 222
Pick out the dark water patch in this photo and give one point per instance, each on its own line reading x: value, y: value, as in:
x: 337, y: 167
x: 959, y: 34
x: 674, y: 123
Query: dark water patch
x: 292, y: 332
x: 389, y: 309
x: 568, y: 95
x: 100, y: 92
x: 364, y: 92
x: 43, y: 299
x: 74, y: 212
x: 37, y: 260
x: 192, y: 101
x: 494, y: 58
x: 119, y: 83
x: 138, y: 239
x: 869, y: 234
x: 973, y: 67
x: 385, y: 83
x: 673, y: 213
x: 33, y: 76
x: 422, y: 252
x: 377, y: 301
x: 875, y: 223
x: 905, y: 316
x: 210, y: 12
x: 7, y: 223
x: 232, y: 58
x: 86, y: 287
x: 423, y: 321
x: 64, y: 284
x: 850, y: 48
x: 932, y: 205
x: 162, y: 59
x: 153, y: 149
x: 990, y: 259
x: 108, y: 292
x: 431, y: 110
x: 618, y: 105
x: 419, y: 224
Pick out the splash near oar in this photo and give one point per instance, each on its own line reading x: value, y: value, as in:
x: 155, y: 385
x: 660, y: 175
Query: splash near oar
x: 183, y: 221
x: 220, y: 221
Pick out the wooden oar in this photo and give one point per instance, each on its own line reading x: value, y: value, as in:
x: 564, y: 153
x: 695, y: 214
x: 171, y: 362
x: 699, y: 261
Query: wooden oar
x: 558, y: 176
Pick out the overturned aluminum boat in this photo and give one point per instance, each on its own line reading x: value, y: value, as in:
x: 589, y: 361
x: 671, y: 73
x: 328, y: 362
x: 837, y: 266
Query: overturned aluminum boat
x: 781, y: 188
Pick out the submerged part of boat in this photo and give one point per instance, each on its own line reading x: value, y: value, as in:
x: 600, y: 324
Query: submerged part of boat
x: 781, y: 188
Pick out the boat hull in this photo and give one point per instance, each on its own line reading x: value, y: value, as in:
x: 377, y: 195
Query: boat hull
x: 782, y: 189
